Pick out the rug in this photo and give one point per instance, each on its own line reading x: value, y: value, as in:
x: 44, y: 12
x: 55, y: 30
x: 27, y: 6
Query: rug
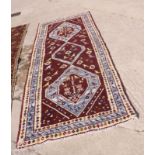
x: 22, y: 72
x: 17, y: 37
x: 72, y: 85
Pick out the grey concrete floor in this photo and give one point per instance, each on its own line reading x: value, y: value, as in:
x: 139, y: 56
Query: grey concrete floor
x: 121, y: 25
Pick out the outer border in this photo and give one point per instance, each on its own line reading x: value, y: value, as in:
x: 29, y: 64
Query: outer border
x: 19, y: 128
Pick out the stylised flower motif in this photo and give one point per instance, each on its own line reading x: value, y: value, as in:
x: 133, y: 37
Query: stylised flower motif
x: 67, y: 91
x: 79, y: 62
x: 68, y: 52
x: 73, y: 87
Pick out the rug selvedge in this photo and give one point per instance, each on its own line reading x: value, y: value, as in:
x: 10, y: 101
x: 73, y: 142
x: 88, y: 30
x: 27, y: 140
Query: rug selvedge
x: 72, y: 86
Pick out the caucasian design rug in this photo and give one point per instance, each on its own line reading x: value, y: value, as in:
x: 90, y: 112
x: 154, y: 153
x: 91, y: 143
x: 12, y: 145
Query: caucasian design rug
x: 72, y: 85
x: 17, y: 37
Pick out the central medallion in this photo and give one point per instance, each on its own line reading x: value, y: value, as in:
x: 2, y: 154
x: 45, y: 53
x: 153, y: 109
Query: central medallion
x: 73, y: 90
